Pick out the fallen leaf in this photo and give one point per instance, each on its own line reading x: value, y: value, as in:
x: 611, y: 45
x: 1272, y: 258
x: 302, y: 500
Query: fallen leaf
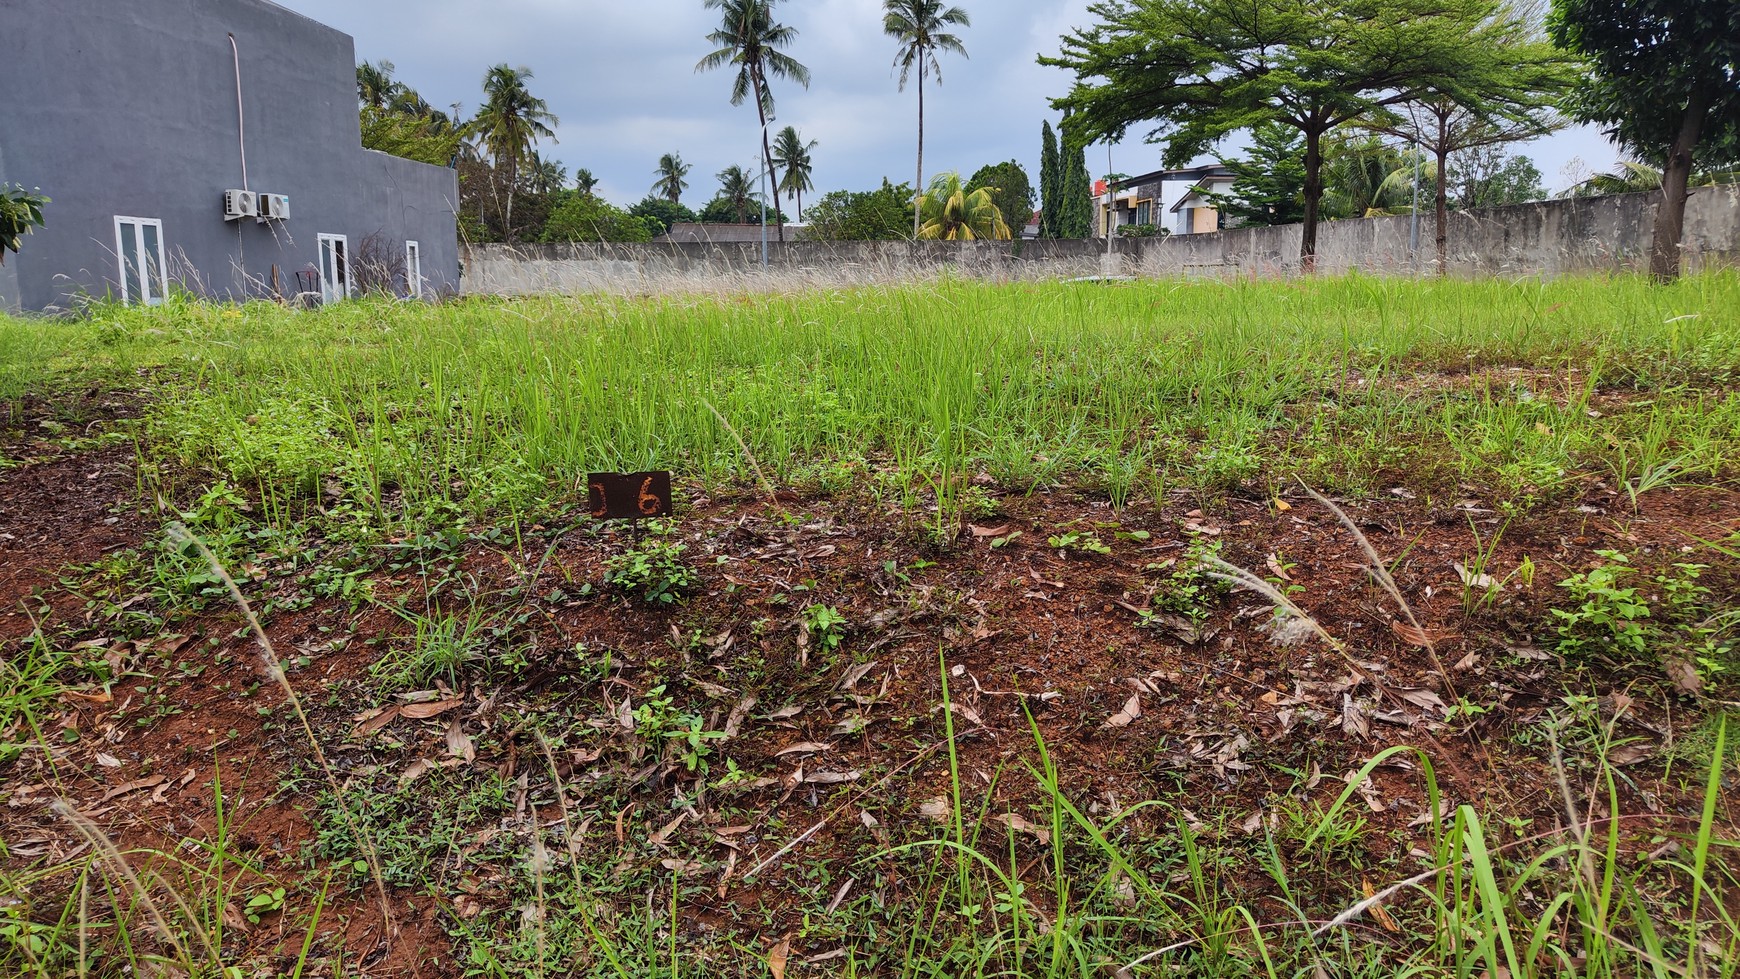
x: 935, y: 808
x: 665, y: 831
x: 1016, y: 824
x: 107, y: 760
x: 1684, y: 675
x: 856, y: 673
x: 100, y: 697
x: 1282, y: 505
x: 839, y: 897
x: 1424, y: 699
x: 1276, y: 568
x: 1123, y: 718
x: 1416, y: 636
x: 370, y: 721
x: 1474, y: 579
x: 802, y: 748
x: 133, y: 786
x: 431, y: 709
x: 979, y: 531
x: 1629, y: 754
x: 459, y: 743
x: 1353, y: 719
x: 832, y: 778
x: 776, y: 958
x: 734, y: 723
x: 1377, y: 908
x: 416, y: 770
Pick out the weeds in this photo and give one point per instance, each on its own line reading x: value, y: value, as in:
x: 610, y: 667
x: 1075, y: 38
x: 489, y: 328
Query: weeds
x: 653, y: 568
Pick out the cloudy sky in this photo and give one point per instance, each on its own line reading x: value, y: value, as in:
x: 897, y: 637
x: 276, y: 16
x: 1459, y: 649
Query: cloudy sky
x: 621, y: 78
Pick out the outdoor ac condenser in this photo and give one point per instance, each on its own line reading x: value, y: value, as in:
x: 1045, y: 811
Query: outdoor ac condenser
x: 240, y: 204
x: 274, y: 207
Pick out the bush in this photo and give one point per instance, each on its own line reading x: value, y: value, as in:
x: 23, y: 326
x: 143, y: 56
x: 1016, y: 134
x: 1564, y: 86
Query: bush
x: 586, y: 218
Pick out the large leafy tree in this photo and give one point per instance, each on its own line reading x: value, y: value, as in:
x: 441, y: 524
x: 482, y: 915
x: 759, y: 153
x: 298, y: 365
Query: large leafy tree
x: 883, y: 214
x: 1268, y: 184
x: 584, y: 218
x: 1010, y: 190
x: 921, y: 29
x: 1506, y: 92
x: 749, y: 39
x: 510, y: 123
x: 791, y: 153
x: 1050, y: 183
x: 672, y: 172
x: 1486, y: 176
x: 663, y: 210
x: 1203, y: 69
x: 949, y: 212
x: 1665, y: 77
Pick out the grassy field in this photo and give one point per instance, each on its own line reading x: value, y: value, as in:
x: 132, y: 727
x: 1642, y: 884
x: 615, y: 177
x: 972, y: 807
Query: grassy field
x: 493, y: 737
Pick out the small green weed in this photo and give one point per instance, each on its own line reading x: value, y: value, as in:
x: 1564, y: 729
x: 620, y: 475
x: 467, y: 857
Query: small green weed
x: 654, y: 568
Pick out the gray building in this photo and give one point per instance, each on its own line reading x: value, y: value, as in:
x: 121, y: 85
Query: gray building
x: 140, y: 118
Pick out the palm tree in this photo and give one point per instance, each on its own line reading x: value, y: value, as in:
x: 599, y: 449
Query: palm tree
x: 792, y: 153
x: 947, y: 212
x: 738, y: 188
x: 584, y: 181
x: 918, y: 25
x: 748, y: 38
x: 510, y: 123
x: 544, y: 177
x: 374, y: 84
x: 671, y: 171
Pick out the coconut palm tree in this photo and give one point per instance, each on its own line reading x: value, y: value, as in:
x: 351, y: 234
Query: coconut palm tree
x: 947, y: 212
x: 375, y: 87
x: 748, y: 38
x: 792, y: 153
x: 671, y: 171
x: 584, y: 181
x: 510, y: 123
x: 737, y: 187
x: 544, y: 177
x: 919, y: 27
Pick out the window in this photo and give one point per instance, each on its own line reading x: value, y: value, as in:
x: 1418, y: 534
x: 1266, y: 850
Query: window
x: 139, y: 249
x: 414, y: 269
x: 334, y: 268
x: 1142, y: 213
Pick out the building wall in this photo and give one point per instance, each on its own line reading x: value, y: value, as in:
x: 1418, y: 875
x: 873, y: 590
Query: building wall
x: 1548, y: 238
x: 128, y: 107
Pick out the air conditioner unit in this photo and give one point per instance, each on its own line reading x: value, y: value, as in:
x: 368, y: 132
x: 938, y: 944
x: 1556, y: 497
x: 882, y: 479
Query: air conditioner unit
x: 240, y: 204
x: 274, y: 207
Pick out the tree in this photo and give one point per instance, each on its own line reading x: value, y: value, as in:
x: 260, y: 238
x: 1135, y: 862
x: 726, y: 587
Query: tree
x: 671, y: 171
x: 544, y: 177
x: 1636, y: 177
x: 1269, y: 182
x: 375, y: 87
x: 884, y: 214
x: 1504, y: 94
x: 1075, y: 215
x: 737, y: 191
x: 748, y: 38
x: 792, y: 153
x: 584, y: 218
x: 1665, y: 76
x: 1050, y: 183
x: 584, y: 181
x: 510, y: 123
x: 920, y: 29
x: 663, y: 210
x: 420, y: 138
x: 20, y: 214
x: 1010, y: 190
x: 1364, y: 177
x: 1485, y: 176
x: 949, y: 212
x: 1208, y: 68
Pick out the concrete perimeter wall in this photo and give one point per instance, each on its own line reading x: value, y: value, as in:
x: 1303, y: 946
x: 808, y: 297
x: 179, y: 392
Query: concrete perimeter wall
x: 1548, y: 238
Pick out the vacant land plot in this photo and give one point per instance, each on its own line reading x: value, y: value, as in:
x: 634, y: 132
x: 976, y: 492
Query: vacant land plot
x: 1332, y: 628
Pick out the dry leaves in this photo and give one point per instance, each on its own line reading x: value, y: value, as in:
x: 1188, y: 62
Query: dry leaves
x: 1123, y: 718
x: 777, y: 957
x: 431, y: 709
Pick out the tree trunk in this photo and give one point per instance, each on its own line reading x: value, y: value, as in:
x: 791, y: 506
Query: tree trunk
x: 1441, y: 204
x: 1670, y: 214
x: 1313, y: 197
x: 918, y: 186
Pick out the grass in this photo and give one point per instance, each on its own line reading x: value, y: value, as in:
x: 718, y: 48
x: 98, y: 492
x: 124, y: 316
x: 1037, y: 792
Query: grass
x: 497, y: 408
x: 358, y: 454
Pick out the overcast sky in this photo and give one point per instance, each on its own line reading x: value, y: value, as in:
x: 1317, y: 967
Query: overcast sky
x: 621, y: 78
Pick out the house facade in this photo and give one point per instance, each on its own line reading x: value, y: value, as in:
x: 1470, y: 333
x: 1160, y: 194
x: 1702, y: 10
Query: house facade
x: 1174, y: 201
x: 205, y: 145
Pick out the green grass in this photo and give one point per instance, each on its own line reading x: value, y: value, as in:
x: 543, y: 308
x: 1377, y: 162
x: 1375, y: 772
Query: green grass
x: 492, y: 407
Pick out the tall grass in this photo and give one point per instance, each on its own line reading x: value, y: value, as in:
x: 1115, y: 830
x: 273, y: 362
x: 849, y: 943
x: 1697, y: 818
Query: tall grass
x: 489, y: 405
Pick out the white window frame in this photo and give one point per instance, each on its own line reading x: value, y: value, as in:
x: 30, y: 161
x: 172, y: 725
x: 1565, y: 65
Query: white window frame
x: 328, y: 291
x: 414, y: 269
x: 134, y: 252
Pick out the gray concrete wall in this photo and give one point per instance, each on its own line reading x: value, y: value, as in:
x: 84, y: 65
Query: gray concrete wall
x: 129, y: 108
x: 1547, y: 238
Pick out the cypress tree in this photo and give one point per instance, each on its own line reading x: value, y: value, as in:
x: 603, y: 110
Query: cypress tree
x: 1075, y: 217
x: 1050, y: 185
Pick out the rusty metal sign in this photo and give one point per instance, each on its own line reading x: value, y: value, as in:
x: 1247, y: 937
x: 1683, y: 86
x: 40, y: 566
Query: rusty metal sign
x: 629, y: 496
